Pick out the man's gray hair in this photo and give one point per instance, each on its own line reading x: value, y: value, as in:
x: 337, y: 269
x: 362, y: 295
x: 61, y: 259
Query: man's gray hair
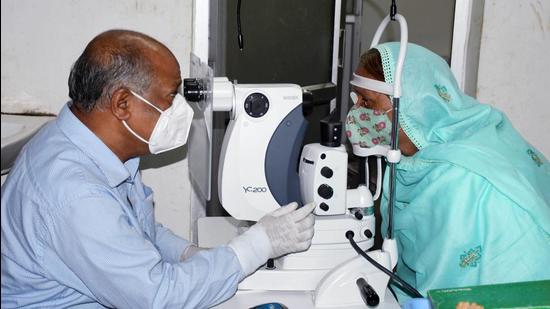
x: 102, y: 69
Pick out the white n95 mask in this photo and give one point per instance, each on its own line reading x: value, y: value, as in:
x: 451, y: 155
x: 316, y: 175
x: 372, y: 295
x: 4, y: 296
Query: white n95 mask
x: 172, y: 127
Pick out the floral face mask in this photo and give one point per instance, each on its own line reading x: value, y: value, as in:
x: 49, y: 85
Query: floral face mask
x: 367, y: 128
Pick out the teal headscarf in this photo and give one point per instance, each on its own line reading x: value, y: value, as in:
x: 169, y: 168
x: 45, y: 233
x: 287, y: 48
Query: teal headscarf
x: 473, y: 204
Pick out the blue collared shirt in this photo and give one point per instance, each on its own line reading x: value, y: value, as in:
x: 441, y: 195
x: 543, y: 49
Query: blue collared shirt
x: 78, y: 230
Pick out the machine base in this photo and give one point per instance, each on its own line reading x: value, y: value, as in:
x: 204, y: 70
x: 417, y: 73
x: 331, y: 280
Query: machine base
x: 291, y: 299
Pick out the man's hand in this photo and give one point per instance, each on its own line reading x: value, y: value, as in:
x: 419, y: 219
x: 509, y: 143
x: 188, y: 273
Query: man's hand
x: 289, y: 230
x: 285, y: 230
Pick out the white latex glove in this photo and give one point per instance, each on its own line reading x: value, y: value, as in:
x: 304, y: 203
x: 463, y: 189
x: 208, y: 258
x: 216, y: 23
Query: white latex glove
x: 285, y: 230
x: 288, y: 229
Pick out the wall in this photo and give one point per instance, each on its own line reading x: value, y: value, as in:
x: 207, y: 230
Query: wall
x: 42, y: 39
x: 430, y: 23
x: 514, y: 63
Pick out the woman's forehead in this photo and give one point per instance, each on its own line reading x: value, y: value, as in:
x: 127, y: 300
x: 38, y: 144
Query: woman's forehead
x: 362, y: 91
x: 361, y: 71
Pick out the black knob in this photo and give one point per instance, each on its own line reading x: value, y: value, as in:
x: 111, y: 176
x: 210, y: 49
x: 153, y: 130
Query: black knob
x: 256, y: 105
x: 358, y: 215
x: 327, y: 172
x: 368, y: 233
x: 193, y: 90
x: 368, y: 293
x: 325, y: 191
x: 324, y: 206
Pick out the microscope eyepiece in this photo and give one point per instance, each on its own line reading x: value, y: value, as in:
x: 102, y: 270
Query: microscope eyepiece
x: 193, y: 90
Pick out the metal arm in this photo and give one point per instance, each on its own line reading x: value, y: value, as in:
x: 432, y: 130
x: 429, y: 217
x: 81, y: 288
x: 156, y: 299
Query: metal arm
x: 396, y: 95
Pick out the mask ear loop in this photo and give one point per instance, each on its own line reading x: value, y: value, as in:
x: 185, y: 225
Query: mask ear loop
x: 147, y: 102
x: 134, y: 133
x: 130, y: 129
x: 387, y: 111
x: 354, y: 97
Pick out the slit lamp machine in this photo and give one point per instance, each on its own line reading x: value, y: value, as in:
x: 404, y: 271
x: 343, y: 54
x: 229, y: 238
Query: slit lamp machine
x: 262, y: 167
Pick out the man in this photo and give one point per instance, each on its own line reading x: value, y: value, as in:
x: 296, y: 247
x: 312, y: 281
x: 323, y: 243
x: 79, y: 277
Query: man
x: 78, y: 225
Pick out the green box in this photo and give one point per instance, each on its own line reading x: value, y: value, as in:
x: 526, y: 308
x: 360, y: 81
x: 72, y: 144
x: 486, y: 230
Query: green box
x: 532, y: 294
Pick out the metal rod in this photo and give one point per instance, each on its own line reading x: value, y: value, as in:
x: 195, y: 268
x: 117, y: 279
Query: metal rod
x: 240, y: 38
x: 394, y: 146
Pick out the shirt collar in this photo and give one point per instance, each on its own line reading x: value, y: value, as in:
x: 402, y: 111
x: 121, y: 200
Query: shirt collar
x: 108, y: 163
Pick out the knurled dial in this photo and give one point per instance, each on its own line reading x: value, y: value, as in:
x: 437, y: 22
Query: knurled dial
x: 256, y: 105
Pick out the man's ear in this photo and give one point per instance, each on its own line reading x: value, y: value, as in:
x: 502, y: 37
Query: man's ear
x: 120, y: 104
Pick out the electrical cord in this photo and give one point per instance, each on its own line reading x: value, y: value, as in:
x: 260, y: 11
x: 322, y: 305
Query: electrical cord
x: 407, y: 288
x: 393, y: 10
x: 239, y: 29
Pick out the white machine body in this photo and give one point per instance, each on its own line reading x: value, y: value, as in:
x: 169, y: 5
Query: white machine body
x: 265, y: 126
x: 258, y: 174
x: 329, y: 249
x: 242, y: 179
x: 323, y: 178
x: 330, y: 267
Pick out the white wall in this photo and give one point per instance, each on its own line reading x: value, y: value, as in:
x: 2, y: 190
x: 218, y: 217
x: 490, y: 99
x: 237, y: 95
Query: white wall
x: 42, y: 39
x: 514, y: 64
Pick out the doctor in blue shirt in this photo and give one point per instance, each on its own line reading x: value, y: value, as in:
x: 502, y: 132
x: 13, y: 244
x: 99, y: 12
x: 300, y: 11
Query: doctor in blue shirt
x: 78, y: 227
